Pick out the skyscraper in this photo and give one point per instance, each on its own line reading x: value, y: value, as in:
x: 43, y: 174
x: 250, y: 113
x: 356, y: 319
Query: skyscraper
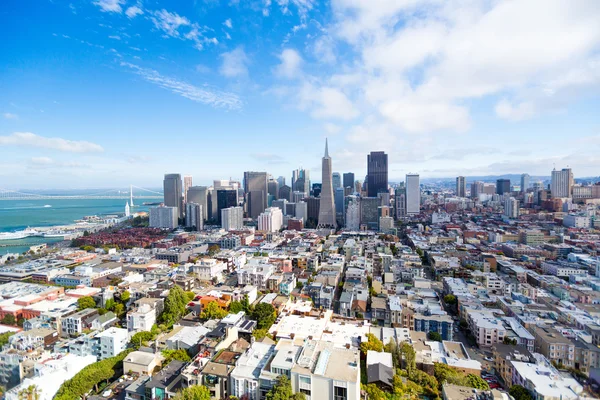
x: 225, y: 199
x: 349, y: 180
x: 461, y: 186
x: 281, y: 181
x: 327, y: 206
x: 232, y: 218
x: 525, y: 183
x: 511, y: 208
x: 255, y: 187
x: 353, y: 213
x: 285, y: 192
x: 338, y: 196
x: 301, y: 180
x: 413, y: 194
x: 273, y: 188
x: 163, y: 217
x: 400, y: 202
x: 336, y: 180
x: 377, y: 173
x: 173, y: 193
x: 562, y: 182
x: 271, y: 220
x: 187, y: 183
x: 193, y: 216
x: 199, y: 195
x: 502, y: 186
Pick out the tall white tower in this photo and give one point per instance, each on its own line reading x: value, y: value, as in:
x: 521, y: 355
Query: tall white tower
x: 327, y: 205
x: 127, y: 210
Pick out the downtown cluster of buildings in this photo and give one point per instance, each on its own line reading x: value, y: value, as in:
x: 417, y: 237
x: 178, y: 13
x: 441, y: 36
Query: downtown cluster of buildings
x: 268, y: 204
x: 498, y: 280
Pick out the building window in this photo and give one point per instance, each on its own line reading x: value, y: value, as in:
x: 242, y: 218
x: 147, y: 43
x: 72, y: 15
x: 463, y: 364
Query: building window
x: 340, y: 393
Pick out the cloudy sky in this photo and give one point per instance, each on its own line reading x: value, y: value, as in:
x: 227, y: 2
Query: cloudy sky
x: 104, y: 93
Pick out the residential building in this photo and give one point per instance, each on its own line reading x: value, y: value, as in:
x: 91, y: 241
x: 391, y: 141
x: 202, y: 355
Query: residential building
x: 164, y: 217
x: 112, y: 342
x: 562, y: 182
x: 413, y: 194
x: 271, y: 220
x: 194, y: 216
x: 76, y: 323
x: 232, y: 218
x: 461, y: 186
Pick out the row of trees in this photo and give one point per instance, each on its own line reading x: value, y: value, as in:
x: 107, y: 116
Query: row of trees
x: 89, y: 377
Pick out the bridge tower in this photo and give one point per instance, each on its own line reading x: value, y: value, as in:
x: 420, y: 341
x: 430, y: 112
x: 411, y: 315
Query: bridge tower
x: 131, y: 196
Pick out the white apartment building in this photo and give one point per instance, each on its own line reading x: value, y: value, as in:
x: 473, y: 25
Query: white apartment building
x: 511, y: 208
x: 562, y: 269
x: 245, y: 377
x: 194, y: 216
x: 164, y: 217
x: 255, y: 274
x: 141, y: 319
x: 562, y: 183
x: 577, y: 221
x: 487, y: 329
x: 232, y: 218
x: 271, y: 220
x: 112, y: 342
x: 545, y: 382
x: 209, y: 269
x: 413, y: 194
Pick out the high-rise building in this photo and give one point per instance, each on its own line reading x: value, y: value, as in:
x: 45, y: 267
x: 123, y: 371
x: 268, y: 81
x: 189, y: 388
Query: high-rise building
x: 400, y: 202
x: 336, y: 180
x: 413, y: 194
x: 290, y: 209
x: 173, y: 193
x: 562, y: 183
x: 353, y: 213
x: 301, y: 180
x: 281, y: 203
x: 298, y: 196
x: 281, y: 181
x: 525, y: 183
x: 187, y: 183
x: 193, y: 216
x: 313, y: 205
x: 226, y: 198
x: 461, y: 186
x: 316, y: 189
x: 502, y: 186
x: 476, y: 189
x: 338, y: 196
x: 199, y: 195
x: 511, y: 208
x: 271, y: 220
x: 163, y: 217
x: 255, y: 188
x: 232, y: 218
x: 285, y: 192
x: 377, y: 173
x: 327, y: 206
x: 369, y: 212
x: 348, y: 181
x: 302, y: 211
x: 273, y: 188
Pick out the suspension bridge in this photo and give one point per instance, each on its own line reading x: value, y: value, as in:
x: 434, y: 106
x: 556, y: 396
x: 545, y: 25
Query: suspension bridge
x: 131, y: 194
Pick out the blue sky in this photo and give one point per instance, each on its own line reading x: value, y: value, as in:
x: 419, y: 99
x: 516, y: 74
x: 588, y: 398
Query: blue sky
x: 104, y: 93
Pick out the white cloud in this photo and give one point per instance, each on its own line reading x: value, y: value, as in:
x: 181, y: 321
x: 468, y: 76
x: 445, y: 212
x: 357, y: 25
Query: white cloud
x: 169, y: 22
x: 134, y: 11
x: 115, y: 37
x: 324, y: 50
x: 10, y: 116
x: 290, y: 64
x: 332, y: 129
x: 41, y: 160
x: 228, y: 23
x: 110, y: 5
x: 327, y: 102
x: 303, y: 6
x: 203, y: 95
x: 28, y: 139
x: 235, y: 63
x: 506, y: 110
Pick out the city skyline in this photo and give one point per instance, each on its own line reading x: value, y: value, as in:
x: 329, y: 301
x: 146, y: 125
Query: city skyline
x: 123, y: 92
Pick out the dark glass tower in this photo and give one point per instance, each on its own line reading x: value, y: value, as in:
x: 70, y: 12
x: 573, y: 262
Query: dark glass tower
x: 173, y: 193
x: 377, y: 173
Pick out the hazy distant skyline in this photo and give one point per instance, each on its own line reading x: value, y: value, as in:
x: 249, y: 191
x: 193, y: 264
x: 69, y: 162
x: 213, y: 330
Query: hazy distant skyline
x: 104, y: 93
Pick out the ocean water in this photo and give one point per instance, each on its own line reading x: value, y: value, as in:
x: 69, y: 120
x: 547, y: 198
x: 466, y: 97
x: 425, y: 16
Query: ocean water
x: 19, y: 214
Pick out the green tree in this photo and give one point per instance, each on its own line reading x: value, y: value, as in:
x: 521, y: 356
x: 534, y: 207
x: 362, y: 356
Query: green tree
x: 31, y: 392
x: 4, y: 338
x: 141, y: 339
x: 476, y: 382
x: 519, y: 393
x: 246, y: 306
x: 213, y: 250
x: 179, y: 355
x: 125, y: 296
x: 445, y: 374
x: 372, y: 343
x: 260, y: 334
x: 283, y: 390
x: 213, y: 311
x: 86, y: 302
x: 175, y: 306
x: 119, y: 309
x: 195, y: 392
x: 235, y: 307
x: 450, y: 299
x: 435, y: 336
x: 110, y: 305
x: 189, y: 296
x: 264, y: 314
x: 9, y: 319
x: 20, y: 322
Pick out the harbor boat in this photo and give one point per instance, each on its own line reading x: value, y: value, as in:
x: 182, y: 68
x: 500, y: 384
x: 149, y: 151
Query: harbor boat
x: 18, y: 234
